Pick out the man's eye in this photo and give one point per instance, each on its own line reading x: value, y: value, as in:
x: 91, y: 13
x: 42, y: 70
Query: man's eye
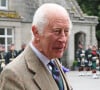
x: 66, y: 31
x: 57, y: 31
x: 60, y: 31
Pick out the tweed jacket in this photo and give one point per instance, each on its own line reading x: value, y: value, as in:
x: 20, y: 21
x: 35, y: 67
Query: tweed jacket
x: 27, y: 72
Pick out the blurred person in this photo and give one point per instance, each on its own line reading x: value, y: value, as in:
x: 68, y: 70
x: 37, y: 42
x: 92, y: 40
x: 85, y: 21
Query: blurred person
x: 88, y: 58
x: 11, y: 54
x: 22, y: 48
x: 34, y: 68
x: 98, y: 55
x: 94, y: 59
x: 80, y: 53
x: 2, y: 57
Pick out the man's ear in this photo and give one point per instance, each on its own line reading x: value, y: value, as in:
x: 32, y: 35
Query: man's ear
x: 34, y: 31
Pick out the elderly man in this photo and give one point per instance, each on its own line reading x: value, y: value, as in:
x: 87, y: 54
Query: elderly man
x: 11, y: 54
x: 32, y: 70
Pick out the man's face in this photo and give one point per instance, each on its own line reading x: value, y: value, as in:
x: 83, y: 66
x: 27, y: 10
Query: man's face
x: 54, y: 38
x: 12, y: 47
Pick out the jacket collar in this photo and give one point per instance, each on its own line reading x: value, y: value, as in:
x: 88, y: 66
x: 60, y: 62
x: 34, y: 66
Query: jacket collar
x: 42, y: 77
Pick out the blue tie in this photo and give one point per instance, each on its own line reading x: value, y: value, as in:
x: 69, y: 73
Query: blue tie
x: 56, y: 75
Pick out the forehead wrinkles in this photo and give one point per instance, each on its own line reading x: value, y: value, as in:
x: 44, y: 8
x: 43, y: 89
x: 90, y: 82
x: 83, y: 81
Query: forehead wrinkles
x: 58, y: 21
x: 56, y: 16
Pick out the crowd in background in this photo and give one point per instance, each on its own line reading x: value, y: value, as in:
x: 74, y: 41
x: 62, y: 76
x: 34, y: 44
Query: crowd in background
x: 7, y: 57
x: 88, y: 60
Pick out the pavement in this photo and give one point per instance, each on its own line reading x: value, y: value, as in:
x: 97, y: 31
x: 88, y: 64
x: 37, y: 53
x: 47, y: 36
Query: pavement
x: 86, y: 82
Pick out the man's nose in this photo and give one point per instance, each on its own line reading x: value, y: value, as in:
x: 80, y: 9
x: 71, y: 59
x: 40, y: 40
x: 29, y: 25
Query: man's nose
x: 63, y: 37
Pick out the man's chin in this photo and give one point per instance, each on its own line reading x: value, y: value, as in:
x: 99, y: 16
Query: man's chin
x: 59, y: 56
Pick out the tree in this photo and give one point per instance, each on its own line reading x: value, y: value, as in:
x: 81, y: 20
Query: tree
x: 92, y: 7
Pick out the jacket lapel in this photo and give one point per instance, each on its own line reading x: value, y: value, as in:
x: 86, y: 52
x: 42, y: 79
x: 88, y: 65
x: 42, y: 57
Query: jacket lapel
x: 45, y: 81
x: 67, y: 86
x: 42, y: 77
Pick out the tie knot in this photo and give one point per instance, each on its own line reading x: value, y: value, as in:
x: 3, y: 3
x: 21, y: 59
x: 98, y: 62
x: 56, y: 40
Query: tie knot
x: 52, y: 64
x: 54, y: 68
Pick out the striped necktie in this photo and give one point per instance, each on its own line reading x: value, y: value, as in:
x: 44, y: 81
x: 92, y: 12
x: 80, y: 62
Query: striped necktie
x: 56, y: 75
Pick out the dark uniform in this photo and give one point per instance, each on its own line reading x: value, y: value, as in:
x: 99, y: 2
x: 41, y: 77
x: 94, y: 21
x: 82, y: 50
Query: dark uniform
x: 88, y: 57
x: 94, y: 60
x: 22, y: 48
x: 98, y: 56
x: 80, y: 58
x: 2, y: 60
x: 10, y: 56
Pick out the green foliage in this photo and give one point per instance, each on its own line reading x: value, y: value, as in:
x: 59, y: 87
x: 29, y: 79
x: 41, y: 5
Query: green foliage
x: 75, y: 63
x: 98, y: 35
x: 91, y: 7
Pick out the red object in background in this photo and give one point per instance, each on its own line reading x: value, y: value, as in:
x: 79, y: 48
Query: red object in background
x: 94, y: 53
x: 81, y: 68
x: 93, y: 71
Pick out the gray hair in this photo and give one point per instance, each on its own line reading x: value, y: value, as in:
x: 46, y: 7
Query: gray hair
x: 40, y: 16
